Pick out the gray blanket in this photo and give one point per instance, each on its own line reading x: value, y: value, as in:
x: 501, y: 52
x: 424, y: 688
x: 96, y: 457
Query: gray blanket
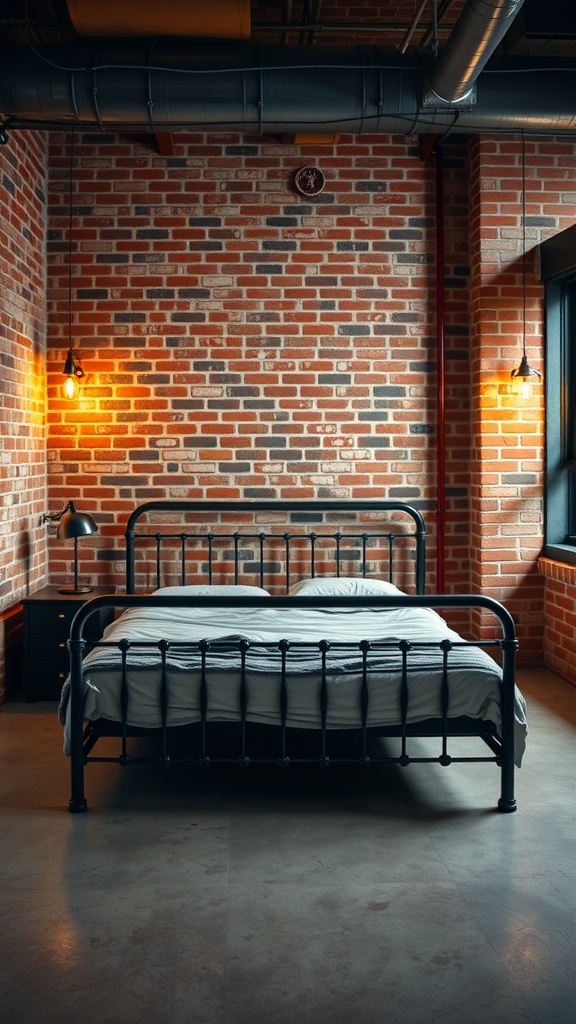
x: 224, y: 655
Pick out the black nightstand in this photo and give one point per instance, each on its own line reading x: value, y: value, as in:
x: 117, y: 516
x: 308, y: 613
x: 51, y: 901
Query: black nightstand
x: 47, y: 618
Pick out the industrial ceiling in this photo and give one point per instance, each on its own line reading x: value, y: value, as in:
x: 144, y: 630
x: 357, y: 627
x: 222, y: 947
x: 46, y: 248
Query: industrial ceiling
x: 317, y: 66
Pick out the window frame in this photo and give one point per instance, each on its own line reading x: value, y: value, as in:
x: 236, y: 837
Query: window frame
x: 558, y: 269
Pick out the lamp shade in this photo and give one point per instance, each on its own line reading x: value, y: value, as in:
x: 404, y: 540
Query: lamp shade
x: 75, y: 524
x: 525, y: 371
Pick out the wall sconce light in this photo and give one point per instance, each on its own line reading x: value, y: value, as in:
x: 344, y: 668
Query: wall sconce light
x: 73, y: 375
x: 71, y: 525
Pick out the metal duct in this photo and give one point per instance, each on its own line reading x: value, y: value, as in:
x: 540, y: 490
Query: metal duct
x: 473, y: 40
x: 172, y: 84
x: 226, y: 19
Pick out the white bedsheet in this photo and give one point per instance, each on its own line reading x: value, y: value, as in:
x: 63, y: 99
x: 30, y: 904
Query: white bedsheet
x: 474, y: 687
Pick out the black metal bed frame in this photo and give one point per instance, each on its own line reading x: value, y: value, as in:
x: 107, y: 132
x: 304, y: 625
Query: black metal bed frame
x: 199, y: 748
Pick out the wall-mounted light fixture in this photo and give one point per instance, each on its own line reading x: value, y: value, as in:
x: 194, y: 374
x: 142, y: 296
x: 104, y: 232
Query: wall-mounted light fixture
x: 72, y: 371
x: 524, y: 372
x: 71, y: 525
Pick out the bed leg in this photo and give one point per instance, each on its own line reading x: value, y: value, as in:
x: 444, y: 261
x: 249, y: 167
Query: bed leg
x: 77, y: 801
x: 507, y: 802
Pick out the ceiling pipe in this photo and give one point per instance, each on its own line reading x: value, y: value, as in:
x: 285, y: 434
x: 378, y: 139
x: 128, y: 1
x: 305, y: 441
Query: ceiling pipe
x: 172, y: 84
x: 473, y: 40
x: 410, y: 32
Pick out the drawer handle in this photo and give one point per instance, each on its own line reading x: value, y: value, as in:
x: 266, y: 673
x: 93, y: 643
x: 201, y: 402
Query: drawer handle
x: 61, y: 675
x: 61, y: 645
x: 61, y: 615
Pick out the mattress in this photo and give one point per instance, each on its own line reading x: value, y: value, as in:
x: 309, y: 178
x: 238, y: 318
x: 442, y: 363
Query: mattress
x: 474, y: 676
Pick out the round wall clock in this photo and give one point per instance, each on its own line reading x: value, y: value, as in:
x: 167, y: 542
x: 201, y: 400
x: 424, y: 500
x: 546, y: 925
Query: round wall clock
x: 309, y: 181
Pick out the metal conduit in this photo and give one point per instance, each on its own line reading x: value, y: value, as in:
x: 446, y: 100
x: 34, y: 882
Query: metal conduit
x: 181, y: 84
x: 441, y: 374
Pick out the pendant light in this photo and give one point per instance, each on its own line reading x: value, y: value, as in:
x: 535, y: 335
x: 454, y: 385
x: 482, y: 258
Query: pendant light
x: 73, y: 375
x: 72, y: 371
x: 524, y: 372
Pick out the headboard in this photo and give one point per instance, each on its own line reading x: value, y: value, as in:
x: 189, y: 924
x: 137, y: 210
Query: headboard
x: 273, y: 543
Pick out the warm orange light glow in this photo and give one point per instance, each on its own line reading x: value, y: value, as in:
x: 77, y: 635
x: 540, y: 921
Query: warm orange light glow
x: 70, y: 387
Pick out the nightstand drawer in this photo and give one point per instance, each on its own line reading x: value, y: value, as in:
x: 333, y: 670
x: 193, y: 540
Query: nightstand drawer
x: 50, y: 650
x: 45, y: 678
x: 48, y: 616
x: 53, y: 619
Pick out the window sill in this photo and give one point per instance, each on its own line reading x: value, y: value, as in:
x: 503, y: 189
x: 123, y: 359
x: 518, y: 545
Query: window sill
x: 564, y: 553
x: 558, y: 569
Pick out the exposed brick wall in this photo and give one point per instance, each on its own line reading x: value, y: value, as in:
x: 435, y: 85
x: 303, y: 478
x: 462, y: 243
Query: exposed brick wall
x: 243, y: 341
x: 22, y: 390
x: 507, y: 506
x: 560, y: 617
x: 240, y: 340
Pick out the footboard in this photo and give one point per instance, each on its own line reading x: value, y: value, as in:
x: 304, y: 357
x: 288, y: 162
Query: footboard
x: 372, y: 670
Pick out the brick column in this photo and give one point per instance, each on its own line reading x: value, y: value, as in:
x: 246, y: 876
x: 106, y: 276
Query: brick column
x: 507, y: 461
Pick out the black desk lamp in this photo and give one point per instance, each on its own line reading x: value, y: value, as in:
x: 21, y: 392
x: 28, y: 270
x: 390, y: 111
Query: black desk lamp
x: 71, y: 525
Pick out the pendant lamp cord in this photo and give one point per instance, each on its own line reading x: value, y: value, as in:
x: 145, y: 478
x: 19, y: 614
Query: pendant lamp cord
x: 70, y: 182
x: 523, y: 245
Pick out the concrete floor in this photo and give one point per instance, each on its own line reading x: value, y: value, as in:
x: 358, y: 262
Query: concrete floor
x: 303, y: 897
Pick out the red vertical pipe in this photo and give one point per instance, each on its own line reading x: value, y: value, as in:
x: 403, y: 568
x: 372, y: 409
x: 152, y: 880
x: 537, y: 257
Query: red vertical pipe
x: 441, y: 375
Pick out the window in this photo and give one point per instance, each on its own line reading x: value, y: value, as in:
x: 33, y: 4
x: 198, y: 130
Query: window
x: 558, y: 266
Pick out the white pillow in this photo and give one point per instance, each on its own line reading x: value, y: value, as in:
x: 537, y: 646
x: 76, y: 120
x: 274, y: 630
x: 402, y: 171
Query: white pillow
x: 214, y: 590
x: 350, y: 586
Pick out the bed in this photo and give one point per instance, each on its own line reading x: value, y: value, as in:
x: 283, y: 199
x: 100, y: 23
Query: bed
x: 281, y: 633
